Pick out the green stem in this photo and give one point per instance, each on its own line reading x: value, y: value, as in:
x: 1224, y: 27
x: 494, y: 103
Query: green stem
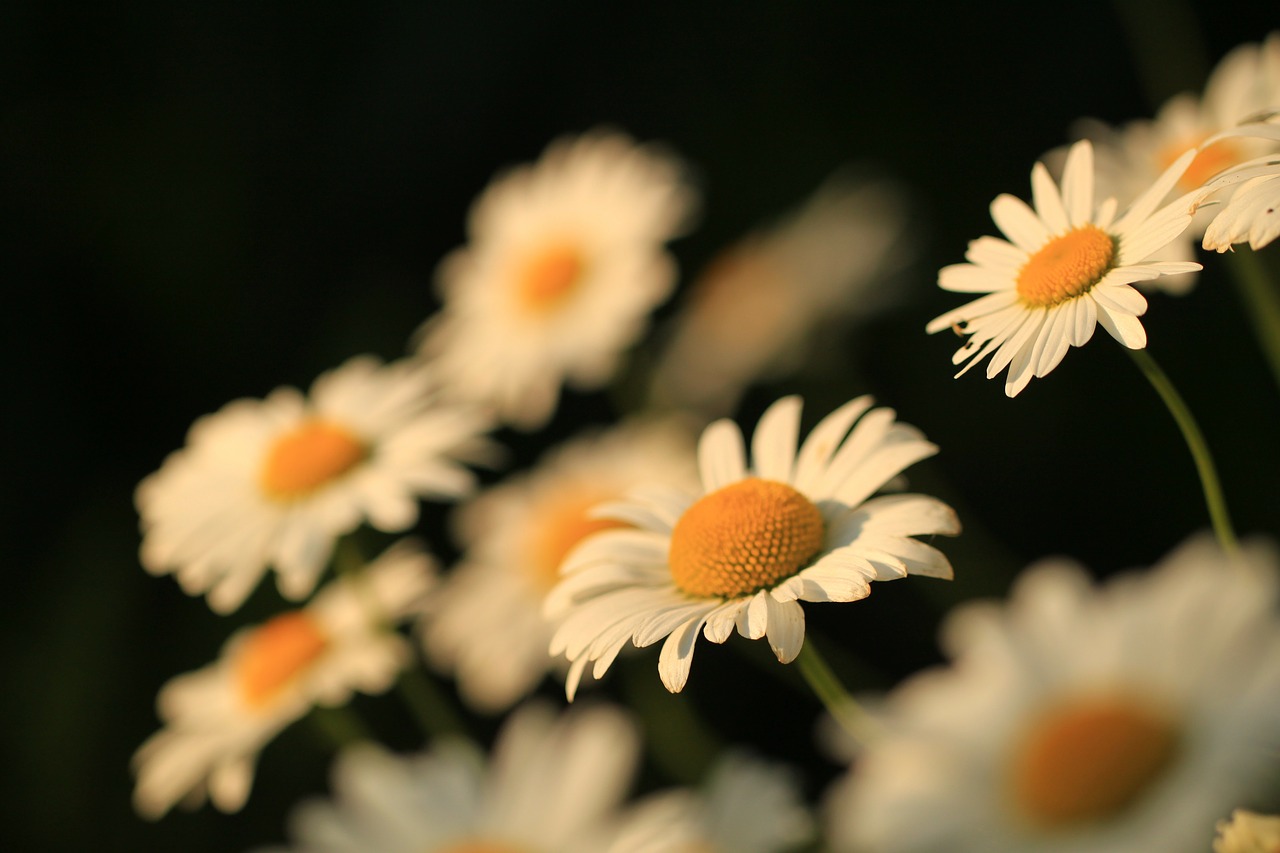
x: 1261, y: 302
x: 428, y: 705
x: 1213, y: 496
x: 847, y: 712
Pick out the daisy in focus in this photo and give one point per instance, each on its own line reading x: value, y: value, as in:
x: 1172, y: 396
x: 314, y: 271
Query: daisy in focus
x: 1130, y: 159
x: 764, y: 302
x: 1248, y: 832
x: 756, y: 541
x: 564, y: 264
x: 274, y: 482
x: 485, y: 624
x: 1079, y: 719
x: 1250, y: 214
x: 1066, y: 266
x: 746, y: 806
x: 217, y: 719
x: 548, y: 785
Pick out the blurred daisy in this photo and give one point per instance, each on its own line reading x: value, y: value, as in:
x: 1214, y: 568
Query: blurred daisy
x: 752, y: 314
x: 550, y: 785
x: 274, y: 482
x: 565, y: 262
x: 1248, y: 832
x: 1130, y: 159
x: 486, y: 625
x: 746, y: 806
x: 1067, y: 265
x: 793, y: 527
x: 1082, y: 720
x: 1250, y: 214
x: 217, y: 719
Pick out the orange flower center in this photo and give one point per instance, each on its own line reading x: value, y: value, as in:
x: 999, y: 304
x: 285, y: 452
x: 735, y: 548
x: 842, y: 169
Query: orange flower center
x: 1089, y: 759
x: 275, y: 654
x: 482, y: 846
x: 743, y: 538
x: 1217, y: 157
x: 1066, y: 266
x: 556, y: 531
x: 313, y: 454
x: 549, y: 276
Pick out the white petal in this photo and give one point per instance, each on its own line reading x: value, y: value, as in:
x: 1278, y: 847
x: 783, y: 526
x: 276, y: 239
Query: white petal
x: 1077, y: 183
x: 753, y: 619
x: 786, y: 628
x: 1125, y: 328
x: 1044, y: 194
x: 1019, y: 223
x: 677, y: 655
x: 721, y: 455
x: 773, y: 446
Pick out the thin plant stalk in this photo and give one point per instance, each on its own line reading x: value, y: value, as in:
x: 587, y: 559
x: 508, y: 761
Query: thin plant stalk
x: 844, y: 708
x: 1261, y: 303
x: 1209, y: 483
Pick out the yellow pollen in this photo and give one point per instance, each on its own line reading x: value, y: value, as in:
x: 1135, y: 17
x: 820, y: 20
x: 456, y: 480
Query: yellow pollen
x: 549, y: 276
x: 743, y: 538
x: 1089, y: 759
x: 557, y: 529
x: 275, y: 654
x: 1066, y: 266
x: 1217, y: 157
x: 308, y: 457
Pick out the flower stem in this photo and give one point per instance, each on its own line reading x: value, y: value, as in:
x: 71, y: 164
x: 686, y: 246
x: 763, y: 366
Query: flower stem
x: 1261, y: 302
x: 847, y: 712
x: 1212, y: 488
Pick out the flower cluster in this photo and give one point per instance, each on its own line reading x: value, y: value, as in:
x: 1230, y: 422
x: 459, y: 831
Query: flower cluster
x: 1077, y: 717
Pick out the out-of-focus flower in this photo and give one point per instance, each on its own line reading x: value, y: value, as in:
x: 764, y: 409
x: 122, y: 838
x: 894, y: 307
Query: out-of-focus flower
x: 486, y: 625
x: 746, y: 806
x: 217, y: 719
x: 753, y: 313
x: 1130, y: 159
x: 274, y: 482
x: 1252, y: 211
x: 549, y: 785
x: 1248, y: 832
x: 793, y: 527
x: 1066, y: 266
x: 1078, y: 719
x: 564, y: 264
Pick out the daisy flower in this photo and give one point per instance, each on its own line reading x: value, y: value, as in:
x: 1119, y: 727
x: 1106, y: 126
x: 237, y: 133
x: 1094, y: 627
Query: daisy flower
x: 754, y: 311
x: 1250, y: 213
x: 549, y: 785
x: 795, y: 526
x: 1067, y: 265
x: 565, y: 262
x: 746, y: 806
x: 1248, y: 832
x: 485, y: 625
x: 274, y: 482
x: 217, y: 719
x: 1079, y: 719
x: 1130, y: 159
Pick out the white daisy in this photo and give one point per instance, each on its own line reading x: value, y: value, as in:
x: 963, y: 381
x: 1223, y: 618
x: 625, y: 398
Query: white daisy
x: 746, y: 806
x: 1068, y: 265
x: 550, y: 786
x: 1131, y: 158
x: 564, y: 264
x: 485, y: 625
x: 218, y: 718
x: 754, y: 311
x: 793, y: 527
x: 1083, y: 720
x: 274, y: 482
x: 1248, y: 832
x: 1252, y: 210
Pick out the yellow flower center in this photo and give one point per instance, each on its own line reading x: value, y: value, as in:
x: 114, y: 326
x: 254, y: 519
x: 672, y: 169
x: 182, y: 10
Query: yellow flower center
x: 557, y: 529
x: 306, y: 458
x: 275, y: 654
x: 743, y: 538
x: 482, y: 846
x: 1089, y: 759
x: 1217, y: 157
x: 1066, y: 266
x: 549, y: 276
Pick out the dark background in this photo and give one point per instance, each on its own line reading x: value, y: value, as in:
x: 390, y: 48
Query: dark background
x: 207, y: 201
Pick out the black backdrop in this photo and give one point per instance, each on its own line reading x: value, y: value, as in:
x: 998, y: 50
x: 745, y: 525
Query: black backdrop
x: 209, y: 200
